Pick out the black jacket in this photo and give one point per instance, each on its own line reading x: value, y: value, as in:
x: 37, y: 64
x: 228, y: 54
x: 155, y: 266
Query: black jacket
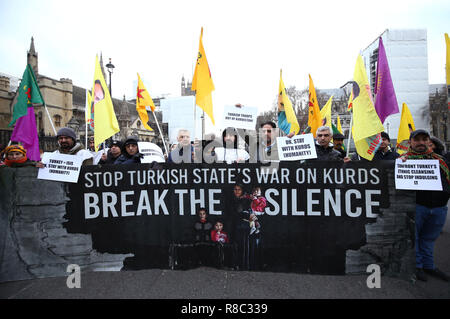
x: 378, y: 156
x: 327, y: 153
x: 433, y: 199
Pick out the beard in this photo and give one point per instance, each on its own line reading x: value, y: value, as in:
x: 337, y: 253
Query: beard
x: 420, y: 148
x: 66, y: 145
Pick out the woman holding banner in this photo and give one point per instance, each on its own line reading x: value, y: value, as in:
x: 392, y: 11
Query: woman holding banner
x: 230, y: 153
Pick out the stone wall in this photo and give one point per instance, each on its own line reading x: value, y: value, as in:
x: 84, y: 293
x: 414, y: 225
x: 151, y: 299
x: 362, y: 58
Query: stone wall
x: 34, y: 243
x: 390, y: 240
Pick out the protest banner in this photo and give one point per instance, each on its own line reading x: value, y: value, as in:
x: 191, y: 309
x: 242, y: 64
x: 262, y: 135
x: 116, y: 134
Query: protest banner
x: 60, y: 167
x: 309, y: 213
x: 299, y: 147
x: 417, y: 175
x: 151, y: 152
x: 240, y: 117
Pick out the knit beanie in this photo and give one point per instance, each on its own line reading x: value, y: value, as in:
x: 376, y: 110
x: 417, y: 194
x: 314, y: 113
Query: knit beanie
x: 67, y: 131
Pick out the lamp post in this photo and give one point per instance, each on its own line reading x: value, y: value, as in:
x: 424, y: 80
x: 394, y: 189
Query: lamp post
x: 110, y: 68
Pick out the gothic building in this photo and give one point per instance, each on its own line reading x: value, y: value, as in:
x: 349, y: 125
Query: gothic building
x: 65, y: 103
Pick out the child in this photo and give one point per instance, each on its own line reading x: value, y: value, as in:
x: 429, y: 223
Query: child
x: 218, y: 235
x: 258, y: 201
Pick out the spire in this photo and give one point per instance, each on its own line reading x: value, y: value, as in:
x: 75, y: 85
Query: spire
x: 32, y: 49
x: 125, y: 109
x: 32, y: 57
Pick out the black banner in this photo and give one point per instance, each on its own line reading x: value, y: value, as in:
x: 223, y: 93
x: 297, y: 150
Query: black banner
x: 292, y: 217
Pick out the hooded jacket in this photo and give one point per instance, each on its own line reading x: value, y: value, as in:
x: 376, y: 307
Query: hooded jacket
x: 126, y: 158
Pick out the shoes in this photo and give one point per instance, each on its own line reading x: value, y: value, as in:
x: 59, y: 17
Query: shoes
x: 420, y: 275
x: 437, y: 273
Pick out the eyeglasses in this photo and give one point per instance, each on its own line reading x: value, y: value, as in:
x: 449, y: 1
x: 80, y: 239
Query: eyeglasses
x: 324, y: 135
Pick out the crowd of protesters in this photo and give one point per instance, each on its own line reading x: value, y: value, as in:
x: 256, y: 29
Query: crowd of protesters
x: 431, y: 206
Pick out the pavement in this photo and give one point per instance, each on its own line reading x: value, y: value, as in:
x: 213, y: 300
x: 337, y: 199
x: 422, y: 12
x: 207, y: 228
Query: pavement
x: 210, y: 283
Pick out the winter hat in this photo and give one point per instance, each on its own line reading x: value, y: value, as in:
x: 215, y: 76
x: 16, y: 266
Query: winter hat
x: 67, y: 131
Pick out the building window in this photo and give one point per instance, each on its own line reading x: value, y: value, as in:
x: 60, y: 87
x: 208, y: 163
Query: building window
x: 57, y: 118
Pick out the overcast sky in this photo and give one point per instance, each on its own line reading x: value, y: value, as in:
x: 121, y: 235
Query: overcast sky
x: 246, y: 42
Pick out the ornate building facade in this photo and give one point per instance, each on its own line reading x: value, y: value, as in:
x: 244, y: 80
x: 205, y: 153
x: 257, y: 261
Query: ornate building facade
x: 65, y: 103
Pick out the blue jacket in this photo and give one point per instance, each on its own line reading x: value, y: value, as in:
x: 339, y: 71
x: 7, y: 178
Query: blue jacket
x: 127, y: 159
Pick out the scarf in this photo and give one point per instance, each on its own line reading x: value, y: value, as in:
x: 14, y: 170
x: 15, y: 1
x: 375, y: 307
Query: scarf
x: 429, y: 154
x: 10, y: 163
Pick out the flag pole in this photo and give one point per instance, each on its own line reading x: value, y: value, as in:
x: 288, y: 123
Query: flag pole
x: 160, y: 132
x: 349, y: 135
x: 86, y: 136
x: 50, y: 119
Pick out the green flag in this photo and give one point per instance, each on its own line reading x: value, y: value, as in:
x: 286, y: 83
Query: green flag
x: 28, y: 93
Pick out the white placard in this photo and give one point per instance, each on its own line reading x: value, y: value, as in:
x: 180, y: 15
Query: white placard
x: 299, y: 147
x: 152, y: 152
x: 240, y: 117
x: 182, y: 113
x: 60, y: 167
x: 417, y: 175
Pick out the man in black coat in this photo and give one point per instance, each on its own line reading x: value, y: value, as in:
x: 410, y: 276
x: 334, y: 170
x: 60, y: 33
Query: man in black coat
x: 324, y: 147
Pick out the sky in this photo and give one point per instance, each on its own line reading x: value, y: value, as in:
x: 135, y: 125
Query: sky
x: 246, y: 42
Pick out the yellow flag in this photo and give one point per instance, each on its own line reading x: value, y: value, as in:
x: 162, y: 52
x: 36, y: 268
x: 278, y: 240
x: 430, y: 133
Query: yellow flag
x: 287, y: 121
x: 325, y: 113
x: 202, y: 82
x: 350, y: 100
x: 447, y: 64
x: 404, y: 130
x: 105, y: 121
x: 366, y: 123
x: 143, y: 99
x: 339, y: 127
x: 314, y: 118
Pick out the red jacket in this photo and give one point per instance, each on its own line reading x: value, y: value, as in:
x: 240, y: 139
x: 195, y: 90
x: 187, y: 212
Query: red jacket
x: 219, y: 237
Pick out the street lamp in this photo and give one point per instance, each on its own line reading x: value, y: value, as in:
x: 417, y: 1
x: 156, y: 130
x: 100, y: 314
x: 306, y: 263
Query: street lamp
x: 110, y: 68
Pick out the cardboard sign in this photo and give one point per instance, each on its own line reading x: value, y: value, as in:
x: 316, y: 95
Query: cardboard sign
x: 240, y: 117
x: 60, y: 167
x: 417, y: 175
x: 151, y: 152
x: 299, y: 147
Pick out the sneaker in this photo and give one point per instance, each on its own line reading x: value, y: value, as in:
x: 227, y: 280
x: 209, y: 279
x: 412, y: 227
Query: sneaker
x: 437, y: 273
x: 420, y: 275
